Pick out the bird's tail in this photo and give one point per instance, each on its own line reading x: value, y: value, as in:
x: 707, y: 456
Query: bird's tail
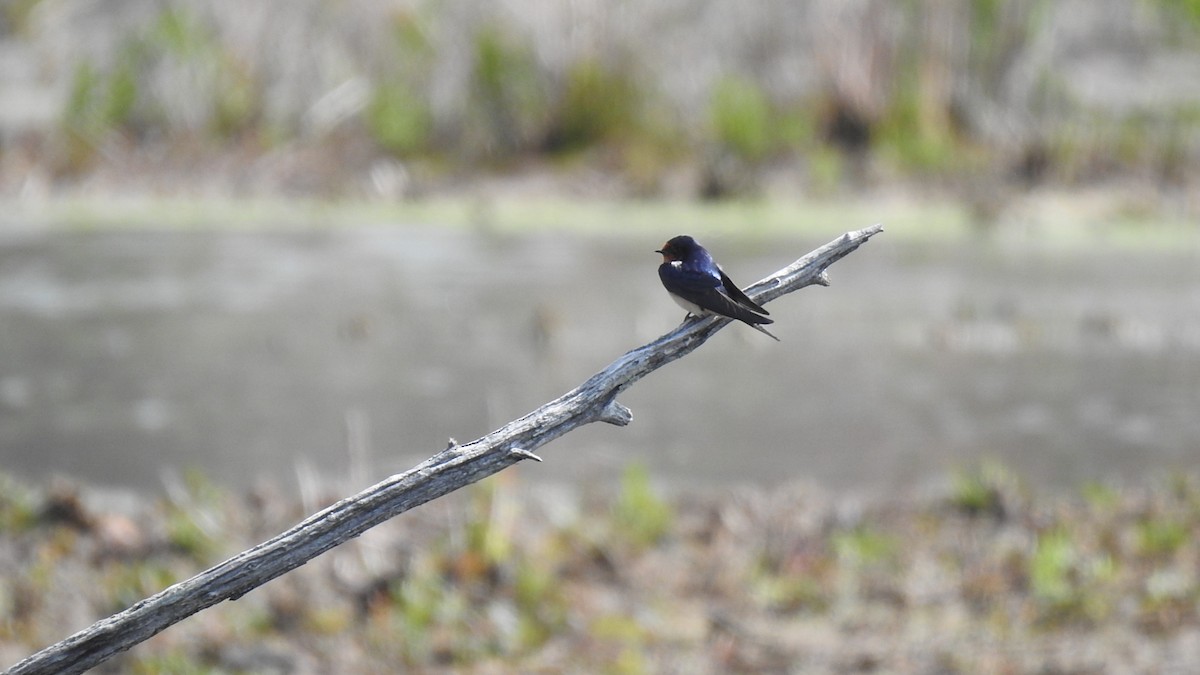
x: 760, y: 329
x: 751, y: 319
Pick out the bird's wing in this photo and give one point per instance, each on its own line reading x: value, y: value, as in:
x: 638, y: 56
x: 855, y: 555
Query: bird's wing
x: 704, y: 290
x: 737, y: 294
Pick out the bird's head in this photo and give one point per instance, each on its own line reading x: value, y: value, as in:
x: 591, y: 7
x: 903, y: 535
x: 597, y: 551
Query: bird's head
x: 678, y: 248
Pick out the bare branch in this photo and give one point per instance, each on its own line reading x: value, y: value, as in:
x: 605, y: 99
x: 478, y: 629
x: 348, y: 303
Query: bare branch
x: 451, y: 469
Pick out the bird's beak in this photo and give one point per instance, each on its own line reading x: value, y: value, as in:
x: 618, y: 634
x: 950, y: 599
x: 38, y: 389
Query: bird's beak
x: 659, y: 251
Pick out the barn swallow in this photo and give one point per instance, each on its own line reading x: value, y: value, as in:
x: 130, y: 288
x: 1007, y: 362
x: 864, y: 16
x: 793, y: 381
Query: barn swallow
x: 697, y: 284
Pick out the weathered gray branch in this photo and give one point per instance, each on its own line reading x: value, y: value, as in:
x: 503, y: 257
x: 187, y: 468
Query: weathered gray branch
x: 449, y: 470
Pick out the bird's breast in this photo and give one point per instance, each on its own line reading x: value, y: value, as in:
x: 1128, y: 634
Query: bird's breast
x: 691, y: 307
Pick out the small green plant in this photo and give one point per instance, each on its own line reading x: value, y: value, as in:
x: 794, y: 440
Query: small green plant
x: 424, y: 607
x: 1051, y: 567
x: 826, y: 168
x: 190, y: 518
x: 915, y: 132
x: 1066, y: 584
x: 398, y: 117
x: 492, y: 521
x: 234, y: 103
x: 100, y: 102
x: 181, y: 33
x: 1161, y: 536
x: 398, y: 120
x: 864, y: 547
x: 187, y: 536
x: 237, y: 104
x: 902, y: 140
x: 797, y: 127
x: 104, y: 98
x: 789, y: 592
x: 18, y: 505
x: 599, y: 103
x: 125, y: 583
x: 981, y: 490
x: 473, y: 596
x: 542, y: 608
x: 640, y: 516
x: 1188, y: 10
x: 1100, y: 497
x: 418, y: 598
x: 17, y: 13
x: 626, y: 637
x: 741, y: 118
x: 508, y: 91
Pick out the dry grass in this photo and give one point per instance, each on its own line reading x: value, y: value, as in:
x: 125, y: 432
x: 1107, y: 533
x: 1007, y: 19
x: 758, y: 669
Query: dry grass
x: 985, y: 577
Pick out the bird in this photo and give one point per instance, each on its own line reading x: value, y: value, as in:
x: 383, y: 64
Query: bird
x: 696, y: 283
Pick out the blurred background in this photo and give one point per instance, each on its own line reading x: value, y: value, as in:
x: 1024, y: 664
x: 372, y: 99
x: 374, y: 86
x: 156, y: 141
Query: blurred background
x: 256, y: 256
x: 277, y: 239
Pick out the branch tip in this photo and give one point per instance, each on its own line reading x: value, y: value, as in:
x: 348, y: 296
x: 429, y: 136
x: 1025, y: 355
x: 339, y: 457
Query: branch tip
x: 524, y: 454
x: 616, y: 414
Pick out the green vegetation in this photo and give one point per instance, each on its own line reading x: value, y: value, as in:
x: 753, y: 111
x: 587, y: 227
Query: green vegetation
x: 398, y: 120
x: 742, y: 119
x: 599, y: 103
x: 99, y: 103
x: 453, y: 96
x: 125, y: 584
x: 397, y: 116
x: 983, y: 490
x: 507, y: 93
x: 192, y: 518
x: 806, y: 590
x: 1067, y: 582
x: 640, y: 516
x: 113, y: 100
x: 1188, y: 10
x: 910, y: 136
x: 16, y: 13
x: 444, y: 602
x: 181, y: 41
x: 1162, y: 537
x: 864, y: 547
x: 18, y: 505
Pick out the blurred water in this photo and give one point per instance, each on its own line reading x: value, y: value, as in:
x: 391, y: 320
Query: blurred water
x: 127, y: 355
